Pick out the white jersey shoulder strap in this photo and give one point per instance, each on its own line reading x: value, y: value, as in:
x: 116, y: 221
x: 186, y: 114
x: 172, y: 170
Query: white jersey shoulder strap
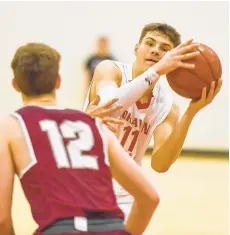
x: 126, y: 71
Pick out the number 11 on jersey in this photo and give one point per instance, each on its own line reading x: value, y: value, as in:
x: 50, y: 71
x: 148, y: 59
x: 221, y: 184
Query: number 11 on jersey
x: 135, y: 134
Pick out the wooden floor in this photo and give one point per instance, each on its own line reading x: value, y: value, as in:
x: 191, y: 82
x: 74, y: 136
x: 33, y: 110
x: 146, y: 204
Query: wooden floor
x: 194, y: 199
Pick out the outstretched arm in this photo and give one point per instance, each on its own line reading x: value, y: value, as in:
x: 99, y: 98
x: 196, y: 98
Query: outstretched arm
x: 6, y: 184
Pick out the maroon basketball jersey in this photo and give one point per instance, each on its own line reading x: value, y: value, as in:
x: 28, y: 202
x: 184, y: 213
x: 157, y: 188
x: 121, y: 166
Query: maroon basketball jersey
x: 69, y: 172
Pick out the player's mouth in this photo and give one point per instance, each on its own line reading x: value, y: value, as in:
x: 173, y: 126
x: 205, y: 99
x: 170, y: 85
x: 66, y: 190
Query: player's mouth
x: 151, y: 61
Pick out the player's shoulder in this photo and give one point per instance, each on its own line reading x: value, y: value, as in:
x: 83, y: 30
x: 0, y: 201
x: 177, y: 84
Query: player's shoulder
x: 107, y: 69
x: 107, y: 65
x: 7, y: 120
x: 8, y: 124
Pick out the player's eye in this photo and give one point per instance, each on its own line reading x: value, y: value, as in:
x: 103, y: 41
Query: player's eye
x: 165, y: 49
x: 150, y: 43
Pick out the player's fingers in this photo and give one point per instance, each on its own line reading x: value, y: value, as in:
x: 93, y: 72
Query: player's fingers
x: 109, y: 111
x: 219, y: 85
x: 188, y: 55
x: 91, y: 110
x: 185, y: 43
x: 103, y: 109
x: 109, y: 103
x: 188, y: 48
x: 113, y: 120
x: 186, y: 65
x: 211, y: 92
x: 95, y: 111
x: 113, y: 129
x: 204, y: 94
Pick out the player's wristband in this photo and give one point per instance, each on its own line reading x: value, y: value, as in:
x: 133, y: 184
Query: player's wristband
x: 151, y: 76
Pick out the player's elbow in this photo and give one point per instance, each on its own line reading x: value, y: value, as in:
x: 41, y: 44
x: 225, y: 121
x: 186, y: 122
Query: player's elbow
x: 155, y: 199
x: 150, y: 199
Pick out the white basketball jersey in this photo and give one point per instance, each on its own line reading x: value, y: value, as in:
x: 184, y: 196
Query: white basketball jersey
x: 140, y: 122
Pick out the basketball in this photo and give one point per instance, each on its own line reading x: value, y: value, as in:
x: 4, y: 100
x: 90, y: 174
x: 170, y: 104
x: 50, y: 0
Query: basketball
x: 190, y: 82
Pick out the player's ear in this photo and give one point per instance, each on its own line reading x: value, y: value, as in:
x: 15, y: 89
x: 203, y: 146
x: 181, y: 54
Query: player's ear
x: 15, y: 86
x: 136, y: 47
x: 58, y: 82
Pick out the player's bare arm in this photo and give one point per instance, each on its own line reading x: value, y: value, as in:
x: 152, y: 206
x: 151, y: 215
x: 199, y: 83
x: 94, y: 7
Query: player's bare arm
x: 131, y: 177
x: 106, y: 74
x: 169, y: 136
x: 159, y: 161
x: 6, y: 182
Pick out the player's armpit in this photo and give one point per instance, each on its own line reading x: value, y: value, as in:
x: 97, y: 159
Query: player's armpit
x: 130, y: 176
x: 6, y: 182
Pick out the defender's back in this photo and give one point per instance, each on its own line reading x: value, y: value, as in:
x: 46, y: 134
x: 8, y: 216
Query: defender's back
x: 68, y: 174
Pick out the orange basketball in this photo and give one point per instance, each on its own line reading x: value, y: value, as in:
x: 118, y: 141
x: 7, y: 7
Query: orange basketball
x: 190, y: 82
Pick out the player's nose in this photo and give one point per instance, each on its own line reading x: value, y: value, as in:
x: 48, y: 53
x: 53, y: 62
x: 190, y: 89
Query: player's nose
x: 155, y: 50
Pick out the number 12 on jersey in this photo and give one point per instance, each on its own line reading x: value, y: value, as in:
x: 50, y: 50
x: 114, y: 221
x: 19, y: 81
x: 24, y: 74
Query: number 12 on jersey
x: 70, y: 155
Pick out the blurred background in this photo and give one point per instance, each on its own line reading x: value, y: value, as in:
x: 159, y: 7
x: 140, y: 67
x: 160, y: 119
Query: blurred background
x: 194, y: 191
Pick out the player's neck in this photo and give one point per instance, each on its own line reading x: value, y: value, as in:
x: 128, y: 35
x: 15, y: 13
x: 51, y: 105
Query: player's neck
x: 136, y: 71
x: 42, y: 100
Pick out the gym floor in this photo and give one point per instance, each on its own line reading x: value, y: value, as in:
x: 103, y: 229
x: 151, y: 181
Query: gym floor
x: 194, y: 199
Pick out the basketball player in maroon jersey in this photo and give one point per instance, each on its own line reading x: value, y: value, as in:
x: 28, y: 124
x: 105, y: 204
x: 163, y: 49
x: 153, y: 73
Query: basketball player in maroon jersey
x: 64, y: 159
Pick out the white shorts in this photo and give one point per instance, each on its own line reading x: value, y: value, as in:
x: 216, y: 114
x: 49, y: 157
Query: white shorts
x: 125, y: 203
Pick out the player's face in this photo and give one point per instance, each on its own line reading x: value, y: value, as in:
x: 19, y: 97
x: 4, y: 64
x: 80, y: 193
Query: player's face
x: 151, y: 49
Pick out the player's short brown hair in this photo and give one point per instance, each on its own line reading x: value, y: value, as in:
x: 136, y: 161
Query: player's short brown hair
x: 36, y: 67
x: 165, y: 29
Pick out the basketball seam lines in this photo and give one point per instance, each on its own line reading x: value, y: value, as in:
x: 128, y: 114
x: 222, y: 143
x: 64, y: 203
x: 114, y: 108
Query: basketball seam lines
x: 208, y: 65
x: 204, y: 58
x: 190, y: 71
x: 183, y: 87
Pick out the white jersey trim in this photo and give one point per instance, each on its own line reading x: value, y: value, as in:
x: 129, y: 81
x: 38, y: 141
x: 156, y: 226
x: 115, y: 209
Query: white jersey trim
x: 29, y: 145
x: 104, y: 141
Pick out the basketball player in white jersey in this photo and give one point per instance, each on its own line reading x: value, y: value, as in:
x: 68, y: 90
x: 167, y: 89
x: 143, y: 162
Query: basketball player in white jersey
x: 148, y: 110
